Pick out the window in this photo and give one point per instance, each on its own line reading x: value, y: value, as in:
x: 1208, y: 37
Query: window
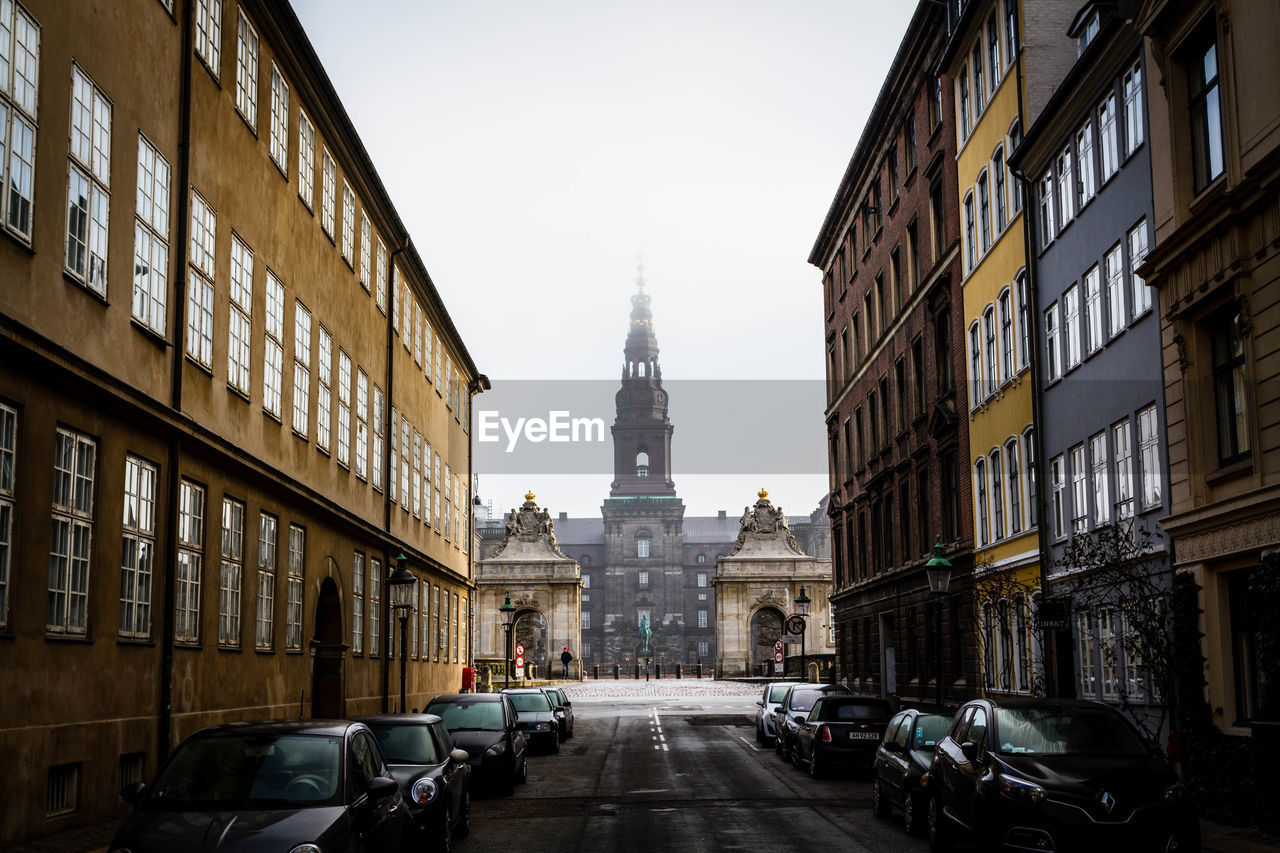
x: 1114, y: 264
x: 190, y: 563
x: 975, y: 367
x: 937, y: 221
x: 366, y: 241
x: 73, y: 478
x: 279, y: 119
x: 642, y: 547
x: 1024, y: 320
x: 200, y: 283
x: 1066, y: 188
x: 970, y: 237
x: 1052, y: 355
x: 380, y: 283
x: 232, y: 572
x: 457, y: 619
x: 1032, y: 466
x: 980, y: 484
x: 942, y: 352
x: 962, y: 84
x: 1057, y: 488
x: 8, y: 453
x: 586, y: 580
x: 138, y: 547
x: 1006, y: 336
x: 979, y: 85
x: 1047, y: 232
x: 150, y: 235
x: 900, y: 381
x: 415, y: 478
x: 998, y: 169
x: 993, y: 49
x: 344, y: 408
x: 293, y: 604
x: 702, y: 617
x: 301, y: 368
x: 1132, y: 86
x: 19, y: 81
x: 1015, y: 487
x: 704, y: 648
x: 1093, y: 306
x: 1204, y: 102
x: 702, y: 576
x: 324, y: 393
x: 209, y: 32
x: 984, y: 211
x: 1137, y: 253
x: 88, y: 183
x: 63, y: 790
x: 1088, y: 671
x: 1015, y: 139
x: 424, y: 482
x: 264, y: 630
x: 935, y: 102
x: 1011, y: 29
x: 1101, y: 484
x: 988, y: 643
x: 1084, y: 153
x: 917, y: 376
x: 1087, y: 33
x: 1107, y: 618
x: 909, y: 143
x: 1079, y: 491
x: 273, y: 357
x: 1149, y: 457
x: 435, y: 478
x: 892, y: 168
x: 1071, y: 319
x: 1230, y: 385
x: 989, y: 335
x: 306, y: 159
x: 643, y: 577
x: 247, y: 71
x: 435, y: 621
x: 348, y: 222
x: 240, y: 325
x: 376, y: 432
x: 1107, y: 146
x: 362, y: 424
x: 328, y: 193
x: 375, y: 605
x: 997, y: 495
x: 444, y: 627
x: 1124, y: 470
x: 1021, y: 659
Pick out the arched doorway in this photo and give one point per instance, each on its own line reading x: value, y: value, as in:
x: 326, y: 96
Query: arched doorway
x: 328, y: 689
x: 531, y: 632
x: 766, y: 629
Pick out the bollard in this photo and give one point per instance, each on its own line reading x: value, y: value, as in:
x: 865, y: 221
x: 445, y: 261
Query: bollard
x: 616, y: 670
x: 677, y: 672
x: 699, y: 669
x: 595, y: 671
x: 637, y: 672
x: 657, y: 670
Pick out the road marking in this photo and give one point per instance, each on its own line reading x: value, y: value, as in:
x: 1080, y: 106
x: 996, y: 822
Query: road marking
x: 750, y: 745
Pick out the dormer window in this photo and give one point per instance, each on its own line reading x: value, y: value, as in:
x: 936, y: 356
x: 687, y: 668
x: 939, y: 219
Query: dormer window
x: 642, y: 464
x: 1086, y: 34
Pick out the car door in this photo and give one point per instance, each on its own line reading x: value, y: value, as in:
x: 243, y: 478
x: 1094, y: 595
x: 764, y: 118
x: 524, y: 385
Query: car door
x: 948, y: 757
x: 894, y: 765
x: 805, y: 734
x: 968, y: 772
x: 517, y: 742
x: 378, y: 824
x: 883, y: 766
x: 454, y: 775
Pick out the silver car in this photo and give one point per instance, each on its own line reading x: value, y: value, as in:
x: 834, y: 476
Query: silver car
x: 765, y: 706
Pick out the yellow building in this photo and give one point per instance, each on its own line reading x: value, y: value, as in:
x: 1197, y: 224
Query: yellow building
x: 1003, y: 57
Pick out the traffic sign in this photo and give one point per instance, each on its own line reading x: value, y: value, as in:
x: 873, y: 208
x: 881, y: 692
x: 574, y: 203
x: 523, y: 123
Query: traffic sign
x: 794, y: 641
x: 795, y: 624
x: 519, y: 661
x: 777, y: 646
x: 777, y: 657
x: 777, y: 667
x: 520, y: 649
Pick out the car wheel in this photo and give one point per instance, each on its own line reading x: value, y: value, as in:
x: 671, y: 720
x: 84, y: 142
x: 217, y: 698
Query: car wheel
x: 815, y: 771
x: 464, y: 819
x: 522, y: 775
x: 444, y: 841
x: 1182, y: 843
x: 940, y: 833
x: 760, y: 733
x: 796, y: 760
x: 879, y: 803
x: 912, y: 812
x: 777, y: 744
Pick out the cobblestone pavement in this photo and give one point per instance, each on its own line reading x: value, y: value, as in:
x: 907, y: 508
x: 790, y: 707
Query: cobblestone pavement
x: 667, y: 688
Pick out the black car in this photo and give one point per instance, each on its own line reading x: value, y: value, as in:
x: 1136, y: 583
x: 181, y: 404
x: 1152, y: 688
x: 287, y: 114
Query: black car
x: 563, y: 709
x: 790, y: 714
x: 484, y: 724
x: 902, y: 766
x: 270, y: 786
x: 1044, y: 774
x: 537, y: 719
x: 840, y: 731
x: 432, y: 773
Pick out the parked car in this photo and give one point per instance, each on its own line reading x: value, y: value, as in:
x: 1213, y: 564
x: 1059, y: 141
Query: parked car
x: 840, y: 731
x: 485, y: 725
x: 563, y: 709
x: 796, y: 702
x: 766, y: 705
x: 1045, y: 774
x: 283, y: 785
x: 434, y: 775
x: 535, y: 717
x: 902, y: 766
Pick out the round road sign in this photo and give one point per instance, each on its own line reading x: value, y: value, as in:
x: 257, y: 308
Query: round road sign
x: 519, y: 649
x: 519, y: 661
x: 777, y: 657
x: 777, y: 645
x: 795, y: 624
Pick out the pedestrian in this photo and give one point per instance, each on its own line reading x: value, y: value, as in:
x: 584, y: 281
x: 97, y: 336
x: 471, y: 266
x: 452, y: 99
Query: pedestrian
x: 565, y: 657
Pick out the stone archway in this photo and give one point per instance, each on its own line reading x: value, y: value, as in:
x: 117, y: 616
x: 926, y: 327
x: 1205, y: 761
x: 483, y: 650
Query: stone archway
x: 531, y: 632
x: 764, y: 630
x: 328, y: 687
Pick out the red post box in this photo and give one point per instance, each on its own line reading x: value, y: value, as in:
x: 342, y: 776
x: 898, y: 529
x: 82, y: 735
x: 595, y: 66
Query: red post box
x: 468, y: 679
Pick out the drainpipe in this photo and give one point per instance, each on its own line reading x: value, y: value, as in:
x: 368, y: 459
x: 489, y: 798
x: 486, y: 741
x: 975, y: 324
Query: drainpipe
x: 164, y: 723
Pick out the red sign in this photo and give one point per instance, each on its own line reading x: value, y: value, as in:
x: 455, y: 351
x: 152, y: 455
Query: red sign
x: 795, y: 624
x: 519, y: 661
x: 777, y: 645
x: 519, y: 649
x: 777, y: 657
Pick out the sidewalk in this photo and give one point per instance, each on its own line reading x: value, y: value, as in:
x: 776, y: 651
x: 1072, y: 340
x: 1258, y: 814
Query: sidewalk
x: 1217, y: 838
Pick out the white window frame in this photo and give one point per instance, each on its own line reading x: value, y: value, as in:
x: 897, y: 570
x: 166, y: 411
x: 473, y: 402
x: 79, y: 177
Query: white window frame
x: 273, y: 349
x: 362, y: 424
x: 1150, y: 459
x: 1084, y: 155
x: 1137, y: 253
x: 279, y: 143
x: 375, y: 605
x: 268, y: 541
x: 1071, y: 327
x: 306, y: 160
x: 1057, y: 492
x: 240, y: 317
x: 1108, y: 147
x: 1079, y: 489
x: 393, y: 448
x: 71, y: 548
x: 375, y: 434
x: 357, y: 603
x: 190, y: 569
x: 380, y: 291
x: 247, y: 44
x: 138, y: 547
x: 1122, y: 443
x: 324, y: 391
x: 1093, y: 308
x: 295, y: 592
x: 344, y: 408
x: 150, y: 236
x: 88, y: 184
x: 301, y: 368
x: 208, y: 35
x: 1047, y: 231
x: 1066, y: 188
x: 366, y: 241
x: 348, y: 223
x: 328, y: 193
x: 1132, y: 87
x: 1053, y: 349
x: 8, y: 503
x: 231, y: 573
x: 977, y: 394
x: 1098, y: 458
x: 1113, y: 262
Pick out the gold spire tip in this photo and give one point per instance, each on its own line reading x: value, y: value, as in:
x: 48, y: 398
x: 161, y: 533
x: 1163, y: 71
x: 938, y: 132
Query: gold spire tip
x: 762, y: 494
x: 529, y: 496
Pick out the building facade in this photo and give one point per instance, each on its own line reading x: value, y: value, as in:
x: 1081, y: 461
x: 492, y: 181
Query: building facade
x: 897, y: 432
x: 207, y: 527
x: 1098, y: 359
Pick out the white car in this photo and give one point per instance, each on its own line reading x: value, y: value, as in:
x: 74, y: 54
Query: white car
x: 768, y: 702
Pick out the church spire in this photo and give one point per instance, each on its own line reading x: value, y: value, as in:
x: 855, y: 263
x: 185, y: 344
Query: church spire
x: 641, y: 430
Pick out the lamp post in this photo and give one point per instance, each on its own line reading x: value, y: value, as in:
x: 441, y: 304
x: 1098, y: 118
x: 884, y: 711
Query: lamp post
x: 508, y: 612
x: 938, y: 571
x: 802, y: 609
x: 400, y: 589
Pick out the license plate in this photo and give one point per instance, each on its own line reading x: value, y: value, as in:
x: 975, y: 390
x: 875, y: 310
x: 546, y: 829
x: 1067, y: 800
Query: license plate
x: 863, y: 736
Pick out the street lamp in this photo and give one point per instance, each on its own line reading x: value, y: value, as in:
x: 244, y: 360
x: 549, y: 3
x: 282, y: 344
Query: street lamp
x: 938, y: 571
x: 508, y: 611
x: 802, y: 609
x: 400, y: 590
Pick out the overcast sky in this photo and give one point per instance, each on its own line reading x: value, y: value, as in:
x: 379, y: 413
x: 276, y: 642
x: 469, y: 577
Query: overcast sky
x: 533, y: 149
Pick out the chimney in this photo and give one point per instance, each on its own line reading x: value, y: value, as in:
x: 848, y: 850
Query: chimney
x: 564, y: 516
x: 722, y: 513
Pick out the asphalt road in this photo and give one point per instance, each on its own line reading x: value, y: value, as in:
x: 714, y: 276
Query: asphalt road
x: 655, y: 773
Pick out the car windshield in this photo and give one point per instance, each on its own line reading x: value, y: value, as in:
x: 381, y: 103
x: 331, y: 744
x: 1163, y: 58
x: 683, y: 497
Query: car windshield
x: 929, y: 730
x: 529, y: 702
x: 874, y: 713
x: 284, y: 771
x: 1065, y: 731
x: 778, y: 692
x: 802, y: 700
x: 408, y: 744
x: 473, y: 716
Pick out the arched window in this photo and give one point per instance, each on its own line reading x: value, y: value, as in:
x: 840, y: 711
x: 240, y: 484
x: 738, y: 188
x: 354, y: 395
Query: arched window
x: 989, y: 350
x: 1015, y: 487
x: 980, y: 484
x: 640, y: 368
x: 970, y: 237
x: 702, y: 558
x: 976, y: 395
x: 1029, y: 466
x: 984, y: 210
x: 1006, y: 335
x: 997, y: 495
x: 642, y: 464
x: 1000, y: 191
x: 642, y: 544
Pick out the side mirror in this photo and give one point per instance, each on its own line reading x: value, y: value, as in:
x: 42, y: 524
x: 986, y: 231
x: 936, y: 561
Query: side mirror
x: 461, y: 756
x: 133, y: 792
x: 891, y: 746
x: 382, y: 787
x: 760, y: 702
x: 559, y: 709
x: 970, y: 751
x: 799, y: 719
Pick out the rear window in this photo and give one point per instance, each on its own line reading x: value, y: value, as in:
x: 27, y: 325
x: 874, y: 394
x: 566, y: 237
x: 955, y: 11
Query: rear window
x: 778, y: 691
x: 529, y: 702
x: 464, y: 716
x: 407, y: 744
x: 874, y: 713
x: 929, y: 730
